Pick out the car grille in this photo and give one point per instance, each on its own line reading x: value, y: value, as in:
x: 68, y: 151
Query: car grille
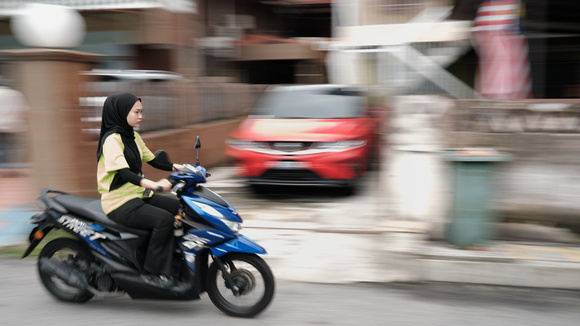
x: 289, y: 146
x: 294, y: 174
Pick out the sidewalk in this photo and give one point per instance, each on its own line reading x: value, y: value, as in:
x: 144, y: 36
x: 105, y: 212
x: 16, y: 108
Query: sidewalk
x: 400, y: 251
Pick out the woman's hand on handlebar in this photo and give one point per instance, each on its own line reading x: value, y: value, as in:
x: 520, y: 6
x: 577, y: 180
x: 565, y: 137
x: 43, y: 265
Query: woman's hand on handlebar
x: 161, y: 185
x: 177, y: 167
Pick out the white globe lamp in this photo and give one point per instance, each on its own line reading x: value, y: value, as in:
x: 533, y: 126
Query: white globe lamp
x: 48, y: 26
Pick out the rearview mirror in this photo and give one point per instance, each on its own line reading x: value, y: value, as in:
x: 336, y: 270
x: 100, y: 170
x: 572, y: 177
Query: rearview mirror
x: 162, y: 157
x: 197, y: 146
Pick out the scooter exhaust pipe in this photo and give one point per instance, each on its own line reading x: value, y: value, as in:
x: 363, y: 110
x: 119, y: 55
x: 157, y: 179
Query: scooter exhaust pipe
x: 69, y: 275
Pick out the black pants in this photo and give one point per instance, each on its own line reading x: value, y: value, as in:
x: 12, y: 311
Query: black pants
x: 155, y: 214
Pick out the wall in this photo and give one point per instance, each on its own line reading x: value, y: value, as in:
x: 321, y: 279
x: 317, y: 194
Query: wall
x: 541, y: 184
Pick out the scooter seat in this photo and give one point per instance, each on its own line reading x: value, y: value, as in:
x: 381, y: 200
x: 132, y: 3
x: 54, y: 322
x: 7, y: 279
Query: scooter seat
x: 91, y: 208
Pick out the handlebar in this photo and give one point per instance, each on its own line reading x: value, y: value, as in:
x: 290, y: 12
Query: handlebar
x: 173, y: 184
x: 178, y: 184
x: 177, y: 187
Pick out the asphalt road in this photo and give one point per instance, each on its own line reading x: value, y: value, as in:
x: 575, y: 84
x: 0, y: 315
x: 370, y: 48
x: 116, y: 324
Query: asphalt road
x: 25, y: 302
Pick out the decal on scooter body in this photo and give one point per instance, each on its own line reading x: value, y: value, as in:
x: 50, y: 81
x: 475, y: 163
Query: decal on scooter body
x: 89, y: 232
x: 240, y: 244
x: 199, y: 239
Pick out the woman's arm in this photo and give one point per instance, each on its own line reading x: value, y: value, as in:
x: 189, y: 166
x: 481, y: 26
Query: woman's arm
x: 130, y: 176
x: 165, y: 166
x: 135, y: 179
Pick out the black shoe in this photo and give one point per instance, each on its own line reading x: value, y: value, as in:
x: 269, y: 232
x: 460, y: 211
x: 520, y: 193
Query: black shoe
x: 160, y: 281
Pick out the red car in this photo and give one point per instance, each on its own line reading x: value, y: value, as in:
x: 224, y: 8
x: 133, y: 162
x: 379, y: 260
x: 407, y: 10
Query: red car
x: 306, y: 135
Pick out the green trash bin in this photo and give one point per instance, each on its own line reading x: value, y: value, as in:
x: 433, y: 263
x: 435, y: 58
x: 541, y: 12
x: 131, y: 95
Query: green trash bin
x: 472, y: 183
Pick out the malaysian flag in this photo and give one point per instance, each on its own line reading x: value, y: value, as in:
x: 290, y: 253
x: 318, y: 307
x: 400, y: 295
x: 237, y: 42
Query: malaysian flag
x: 504, y: 67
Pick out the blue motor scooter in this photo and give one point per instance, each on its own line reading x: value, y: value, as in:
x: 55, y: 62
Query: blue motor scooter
x: 103, y: 257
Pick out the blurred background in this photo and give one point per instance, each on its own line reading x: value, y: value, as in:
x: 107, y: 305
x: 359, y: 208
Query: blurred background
x: 464, y: 73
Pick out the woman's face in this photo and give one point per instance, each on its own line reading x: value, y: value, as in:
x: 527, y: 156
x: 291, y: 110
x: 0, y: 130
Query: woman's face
x: 135, y: 115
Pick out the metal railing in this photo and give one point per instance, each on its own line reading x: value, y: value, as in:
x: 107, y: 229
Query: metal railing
x: 170, y: 105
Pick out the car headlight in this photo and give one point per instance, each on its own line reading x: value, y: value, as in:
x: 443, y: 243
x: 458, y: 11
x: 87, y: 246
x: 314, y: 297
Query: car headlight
x: 247, y: 145
x: 340, y: 146
x: 238, y: 143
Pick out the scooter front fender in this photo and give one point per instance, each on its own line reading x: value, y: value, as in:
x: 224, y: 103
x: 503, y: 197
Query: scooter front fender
x: 239, y: 244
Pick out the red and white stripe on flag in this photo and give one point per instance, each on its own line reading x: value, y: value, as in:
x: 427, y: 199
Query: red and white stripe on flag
x: 497, y: 14
x: 504, y: 67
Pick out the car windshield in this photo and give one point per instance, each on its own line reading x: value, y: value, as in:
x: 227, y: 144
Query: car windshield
x: 308, y: 105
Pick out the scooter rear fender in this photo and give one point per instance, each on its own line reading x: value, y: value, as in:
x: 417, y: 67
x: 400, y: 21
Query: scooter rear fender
x: 45, y: 225
x: 240, y: 244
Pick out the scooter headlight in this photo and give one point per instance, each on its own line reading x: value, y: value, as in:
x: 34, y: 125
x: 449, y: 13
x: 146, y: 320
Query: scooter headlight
x: 234, y: 226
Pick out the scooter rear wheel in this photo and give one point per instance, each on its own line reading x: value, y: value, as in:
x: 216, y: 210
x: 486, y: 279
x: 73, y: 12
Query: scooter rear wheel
x: 72, y: 254
x: 252, y: 277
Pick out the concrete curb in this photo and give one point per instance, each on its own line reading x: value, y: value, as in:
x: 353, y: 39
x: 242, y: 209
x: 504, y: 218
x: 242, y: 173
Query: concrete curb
x: 409, y: 257
x: 506, y: 264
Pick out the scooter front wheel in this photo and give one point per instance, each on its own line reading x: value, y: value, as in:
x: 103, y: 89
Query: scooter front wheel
x: 253, y: 281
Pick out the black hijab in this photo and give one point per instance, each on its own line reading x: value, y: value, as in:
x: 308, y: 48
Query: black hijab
x: 115, y: 111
